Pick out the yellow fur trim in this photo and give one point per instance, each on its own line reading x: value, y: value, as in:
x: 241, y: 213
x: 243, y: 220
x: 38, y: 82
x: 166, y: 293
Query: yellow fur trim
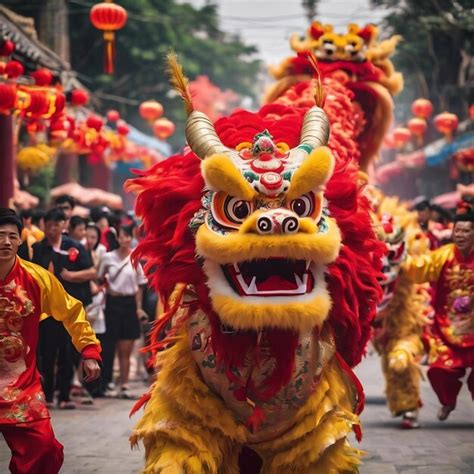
x: 187, y: 428
x: 312, y: 174
x: 222, y: 175
x: 302, y: 316
x: 245, y: 245
x: 318, y: 439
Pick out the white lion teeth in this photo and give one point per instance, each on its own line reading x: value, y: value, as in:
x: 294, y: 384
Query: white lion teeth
x: 308, y: 264
x: 236, y: 268
x: 298, y: 280
x: 252, y: 288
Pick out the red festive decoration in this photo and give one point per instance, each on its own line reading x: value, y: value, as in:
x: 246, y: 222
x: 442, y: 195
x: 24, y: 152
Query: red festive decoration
x: 39, y: 104
x: 7, y: 97
x: 79, y: 97
x: 109, y: 18
x: 95, y: 122
x: 59, y: 104
x: 163, y: 128
x: 417, y: 127
x: 401, y: 135
x: 122, y: 128
x: 42, y: 77
x: 471, y: 112
x: 113, y: 115
x: 2, y: 67
x: 422, y: 108
x: 59, y: 129
x: 446, y: 123
x: 7, y: 47
x: 150, y: 110
x: 14, y: 69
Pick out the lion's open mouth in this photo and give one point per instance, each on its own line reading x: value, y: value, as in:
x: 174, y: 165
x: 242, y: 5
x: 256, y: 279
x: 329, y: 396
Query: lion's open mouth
x: 270, y: 277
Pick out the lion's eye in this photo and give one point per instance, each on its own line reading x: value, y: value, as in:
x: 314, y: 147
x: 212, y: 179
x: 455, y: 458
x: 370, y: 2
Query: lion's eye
x: 237, y: 210
x: 302, y: 206
x: 230, y: 211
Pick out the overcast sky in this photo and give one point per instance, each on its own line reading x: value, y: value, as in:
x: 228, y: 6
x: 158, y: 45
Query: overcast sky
x: 268, y: 24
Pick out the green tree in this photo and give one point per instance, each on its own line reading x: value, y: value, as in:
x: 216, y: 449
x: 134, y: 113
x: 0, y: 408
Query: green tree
x: 153, y: 28
x: 437, y: 52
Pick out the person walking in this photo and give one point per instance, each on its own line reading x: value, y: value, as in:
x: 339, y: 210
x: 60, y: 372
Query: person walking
x: 72, y: 265
x: 451, y: 269
x: 123, y: 309
x: 26, y: 292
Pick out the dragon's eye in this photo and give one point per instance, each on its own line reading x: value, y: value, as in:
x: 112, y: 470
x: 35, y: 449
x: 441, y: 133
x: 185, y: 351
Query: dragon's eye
x: 308, y: 205
x: 237, y: 210
x: 230, y: 211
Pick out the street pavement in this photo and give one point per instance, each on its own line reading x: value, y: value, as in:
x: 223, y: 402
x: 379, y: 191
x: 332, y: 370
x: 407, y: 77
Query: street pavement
x: 95, y: 438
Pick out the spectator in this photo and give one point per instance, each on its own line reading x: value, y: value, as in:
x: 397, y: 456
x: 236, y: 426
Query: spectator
x: 67, y: 204
x: 29, y: 235
x: 77, y: 229
x: 93, y: 245
x: 123, y: 310
x: 422, y: 207
x: 72, y: 265
x: 38, y: 219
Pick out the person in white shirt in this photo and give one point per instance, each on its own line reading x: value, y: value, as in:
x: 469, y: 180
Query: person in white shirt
x: 123, y: 309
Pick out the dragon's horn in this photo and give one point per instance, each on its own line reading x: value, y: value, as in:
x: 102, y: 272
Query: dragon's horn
x: 314, y: 133
x: 202, y: 136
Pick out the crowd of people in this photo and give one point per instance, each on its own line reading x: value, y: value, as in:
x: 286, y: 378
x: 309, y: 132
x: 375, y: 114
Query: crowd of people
x: 91, y: 258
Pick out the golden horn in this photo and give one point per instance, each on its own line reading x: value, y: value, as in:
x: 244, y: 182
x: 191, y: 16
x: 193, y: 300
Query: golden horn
x: 314, y: 133
x: 202, y: 137
x: 298, y: 44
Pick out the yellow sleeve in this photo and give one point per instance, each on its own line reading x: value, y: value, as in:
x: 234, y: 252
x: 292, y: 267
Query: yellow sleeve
x: 63, y: 307
x: 427, y: 267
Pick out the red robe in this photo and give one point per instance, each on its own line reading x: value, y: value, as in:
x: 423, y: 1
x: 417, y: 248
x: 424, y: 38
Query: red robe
x: 28, y: 294
x: 452, y: 339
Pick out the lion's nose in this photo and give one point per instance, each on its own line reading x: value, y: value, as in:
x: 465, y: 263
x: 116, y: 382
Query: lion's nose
x: 277, y: 222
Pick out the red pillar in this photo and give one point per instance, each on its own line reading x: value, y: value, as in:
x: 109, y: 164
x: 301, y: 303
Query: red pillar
x: 7, y: 160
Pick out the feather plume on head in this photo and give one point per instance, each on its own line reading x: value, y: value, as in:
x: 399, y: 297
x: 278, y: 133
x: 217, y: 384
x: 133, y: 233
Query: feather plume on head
x: 179, y: 81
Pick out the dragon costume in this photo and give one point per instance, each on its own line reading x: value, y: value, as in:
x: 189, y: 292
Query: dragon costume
x: 258, y: 238
x: 404, y: 310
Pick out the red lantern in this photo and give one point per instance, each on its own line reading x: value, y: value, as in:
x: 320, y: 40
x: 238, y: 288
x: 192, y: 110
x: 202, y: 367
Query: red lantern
x: 79, y: 97
x: 446, y: 123
x: 7, y: 47
x: 471, y: 112
x: 417, y: 127
x: 422, y: 108
x: 59, y: 129
x: 163, y: 128
x: 39, y: 104
x: 59, y: 104
x: 95, y: 122
x: 401, y: 135
x: 113, y: 115
x: 2, y: 67
x: 150, y: 110
x: 7, y: 97
x: 122, y: 128
x: 109, y: 18
x: 42, y: 77
x: 14, y: 69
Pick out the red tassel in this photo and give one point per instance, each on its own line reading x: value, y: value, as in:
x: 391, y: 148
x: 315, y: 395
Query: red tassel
x: 256, y: 419
x: 358, y: 432
x: 109, y: 58
x: 142, y: 401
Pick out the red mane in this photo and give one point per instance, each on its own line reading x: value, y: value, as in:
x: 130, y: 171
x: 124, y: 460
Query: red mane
x: 170, y: 194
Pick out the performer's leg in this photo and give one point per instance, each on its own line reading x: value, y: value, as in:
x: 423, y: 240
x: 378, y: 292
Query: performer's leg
x: 65, y: 365
x: 446, y: 384
x: 47, y: 349
x: 35, y: 450
x: 470, y: 382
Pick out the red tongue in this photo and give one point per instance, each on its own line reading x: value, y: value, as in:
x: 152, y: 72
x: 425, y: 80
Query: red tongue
x: 276, y: 282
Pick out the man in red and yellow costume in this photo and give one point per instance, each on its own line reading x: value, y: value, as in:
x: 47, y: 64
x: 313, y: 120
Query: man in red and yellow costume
x: 27, y: 291
x: 451, y: 268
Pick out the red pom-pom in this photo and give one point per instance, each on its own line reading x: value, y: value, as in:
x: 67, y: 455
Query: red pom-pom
x: 42, y: 77
x: 7, y: 47
x: 14, y: 69
x: 95, y: 122
x: 256, y: 419
x: 113, y: 115
x: 79, y: 97
x: 122, y: 128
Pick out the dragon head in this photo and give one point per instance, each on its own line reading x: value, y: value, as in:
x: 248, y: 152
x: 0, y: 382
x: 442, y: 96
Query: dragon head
x: 263, y: 233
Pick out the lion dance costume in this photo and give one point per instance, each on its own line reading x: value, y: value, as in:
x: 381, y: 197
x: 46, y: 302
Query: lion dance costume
x: 404, y: 310
x: 259, y: 241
